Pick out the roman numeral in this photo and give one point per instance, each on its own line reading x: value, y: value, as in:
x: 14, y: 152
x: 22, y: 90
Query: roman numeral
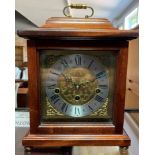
x: 100, y: 74
x: 78, y: 59
x: 103, y: 86
x: 99, y: 98
x: 90, y: 107
x: 56, y: 101
x: 77, y: 111
x: 90, y: 63
x: 65, y: 63
x: 64, y: 107
x: 51, y: 86
x: 55, y: 73
x: 54, y: 97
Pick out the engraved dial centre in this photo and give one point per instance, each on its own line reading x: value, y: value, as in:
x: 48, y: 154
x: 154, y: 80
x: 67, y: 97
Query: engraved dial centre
x: 77, y: 85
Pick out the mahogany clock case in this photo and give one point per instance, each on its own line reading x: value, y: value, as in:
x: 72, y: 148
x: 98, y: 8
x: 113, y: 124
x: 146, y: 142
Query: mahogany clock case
x: 83, y: 40
x: 73, y: 128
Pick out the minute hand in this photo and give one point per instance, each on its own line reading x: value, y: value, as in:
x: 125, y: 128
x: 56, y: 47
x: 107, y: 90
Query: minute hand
x: 87, y: 82
x: 68, y: 79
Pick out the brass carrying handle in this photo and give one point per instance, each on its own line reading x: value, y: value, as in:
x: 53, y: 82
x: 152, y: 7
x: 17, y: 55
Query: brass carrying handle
x: 78, y: 6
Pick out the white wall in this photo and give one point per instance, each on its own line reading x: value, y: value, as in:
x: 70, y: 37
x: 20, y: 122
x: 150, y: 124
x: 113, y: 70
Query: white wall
x: 22, y: 23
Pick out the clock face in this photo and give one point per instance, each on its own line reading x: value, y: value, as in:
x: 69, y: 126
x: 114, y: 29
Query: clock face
x: 77, y: 85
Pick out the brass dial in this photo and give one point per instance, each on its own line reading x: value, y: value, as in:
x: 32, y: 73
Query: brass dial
x: 77, y: 85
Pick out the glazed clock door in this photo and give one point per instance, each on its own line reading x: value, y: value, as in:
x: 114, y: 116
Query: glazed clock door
x: 77, y: 86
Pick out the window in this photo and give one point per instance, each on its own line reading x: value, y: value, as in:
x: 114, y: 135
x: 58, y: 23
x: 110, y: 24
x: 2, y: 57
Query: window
x: 131, y: 20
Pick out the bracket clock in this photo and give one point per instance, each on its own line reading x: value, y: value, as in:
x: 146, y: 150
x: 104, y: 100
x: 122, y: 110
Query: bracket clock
x: 77, y: 82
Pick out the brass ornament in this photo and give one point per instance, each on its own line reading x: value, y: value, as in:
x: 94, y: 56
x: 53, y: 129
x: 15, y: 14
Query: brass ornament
x: 50, y: 60
x: 77, y: 85
x: 51, y: 111
x: 102, y: 111
x: 78, y: 6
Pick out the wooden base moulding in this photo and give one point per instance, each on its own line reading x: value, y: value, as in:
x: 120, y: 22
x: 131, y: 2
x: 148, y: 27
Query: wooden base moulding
x: 46, y: 140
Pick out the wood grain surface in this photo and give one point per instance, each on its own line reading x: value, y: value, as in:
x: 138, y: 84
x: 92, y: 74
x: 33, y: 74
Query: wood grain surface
x: 84, y: 150
x: 78, y: 27
x: 77, y: 35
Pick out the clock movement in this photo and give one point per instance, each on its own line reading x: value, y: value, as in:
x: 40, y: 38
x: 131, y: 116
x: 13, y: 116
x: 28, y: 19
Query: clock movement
x: 77, y: 81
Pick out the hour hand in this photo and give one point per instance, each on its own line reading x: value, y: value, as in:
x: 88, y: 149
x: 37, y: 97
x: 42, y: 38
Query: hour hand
x: 86, y: 82
x: 67, y: 78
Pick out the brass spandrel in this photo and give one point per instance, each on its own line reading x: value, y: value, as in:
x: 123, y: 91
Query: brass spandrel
x: 51, y: 59
x: 102, y: 111
x: 51, y: 111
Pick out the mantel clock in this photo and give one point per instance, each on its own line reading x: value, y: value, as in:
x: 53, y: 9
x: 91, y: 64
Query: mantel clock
x: 77, y: 82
